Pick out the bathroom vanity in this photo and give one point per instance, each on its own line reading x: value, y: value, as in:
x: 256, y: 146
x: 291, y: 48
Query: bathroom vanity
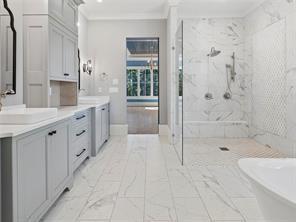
x: 38, y: 160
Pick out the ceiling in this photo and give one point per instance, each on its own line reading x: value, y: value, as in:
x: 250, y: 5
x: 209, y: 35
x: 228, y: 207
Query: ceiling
x: 217, y: 8
x: 124, y: 9
x: 156, y: 9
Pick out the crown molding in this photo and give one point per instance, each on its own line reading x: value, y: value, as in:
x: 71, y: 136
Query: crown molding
x: 128, y: 17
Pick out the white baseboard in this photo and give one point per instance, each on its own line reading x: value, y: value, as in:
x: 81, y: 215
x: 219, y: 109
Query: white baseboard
x: 118, y: 130
x: 163, y: 130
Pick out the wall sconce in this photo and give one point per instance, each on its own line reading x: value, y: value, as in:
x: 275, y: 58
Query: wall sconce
x: 87, y: 67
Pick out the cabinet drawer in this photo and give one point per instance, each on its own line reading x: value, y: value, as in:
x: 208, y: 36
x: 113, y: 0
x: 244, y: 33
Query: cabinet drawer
x: 80, y: 119
x: 80, y: 132
x: 80, y: 151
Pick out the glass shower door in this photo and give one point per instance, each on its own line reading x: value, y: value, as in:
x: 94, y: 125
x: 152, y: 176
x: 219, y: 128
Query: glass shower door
x: 178, y: 124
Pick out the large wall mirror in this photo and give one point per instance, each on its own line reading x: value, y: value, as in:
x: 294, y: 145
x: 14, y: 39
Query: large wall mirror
x: 8, y: 49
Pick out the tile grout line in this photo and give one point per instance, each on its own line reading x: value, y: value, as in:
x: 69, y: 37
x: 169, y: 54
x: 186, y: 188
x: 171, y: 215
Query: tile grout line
x: 196, y: 188
x: 110, y: 157
x: 145, y: 185
x: 169, y: 181
x: 117, y: 196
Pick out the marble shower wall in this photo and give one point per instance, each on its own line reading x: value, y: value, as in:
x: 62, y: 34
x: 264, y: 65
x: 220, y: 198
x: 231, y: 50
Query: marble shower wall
x: 217, y: 117
x: 270, y: 45
x: 264, y: 102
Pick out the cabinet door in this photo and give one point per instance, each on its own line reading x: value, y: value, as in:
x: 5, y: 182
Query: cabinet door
x: 98, y: 129
x: 56, y: 46
x: 32, y: 176
x: 105, y: 123
x: 56, y: 8
x: 70, y: 58
x: 58, y: 158
x: 71, y: 15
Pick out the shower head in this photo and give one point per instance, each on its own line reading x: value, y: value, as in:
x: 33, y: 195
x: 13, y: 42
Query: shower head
x: 214, y: 52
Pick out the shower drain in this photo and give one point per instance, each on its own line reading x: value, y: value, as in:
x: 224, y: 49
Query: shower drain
x: 223, y: 148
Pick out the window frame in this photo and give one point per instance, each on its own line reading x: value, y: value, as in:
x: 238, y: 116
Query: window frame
x: 139, y: 68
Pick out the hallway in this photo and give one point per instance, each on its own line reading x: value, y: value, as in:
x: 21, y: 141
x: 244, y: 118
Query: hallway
x: 142, y: 120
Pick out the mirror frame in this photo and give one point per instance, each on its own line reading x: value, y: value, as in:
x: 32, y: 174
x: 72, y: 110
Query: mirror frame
x: 79, y: 70
x: 14, y: 47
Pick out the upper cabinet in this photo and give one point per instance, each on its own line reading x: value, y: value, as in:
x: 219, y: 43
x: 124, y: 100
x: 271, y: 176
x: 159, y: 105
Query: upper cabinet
x: 62, y: 54
x: 49, y: 67
x: 66, y: 12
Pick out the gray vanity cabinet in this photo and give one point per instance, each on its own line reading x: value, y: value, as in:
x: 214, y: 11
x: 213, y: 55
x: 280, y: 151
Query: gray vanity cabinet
x: 31, y: 162
x: 35, y: 169
x: 105, y: 123
x: 100, y: 128
x: 58, y: 158
x: 81, y: 138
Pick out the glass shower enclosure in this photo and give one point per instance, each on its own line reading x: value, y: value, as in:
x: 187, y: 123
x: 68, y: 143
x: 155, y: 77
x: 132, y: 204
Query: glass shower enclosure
x: 178, y: 83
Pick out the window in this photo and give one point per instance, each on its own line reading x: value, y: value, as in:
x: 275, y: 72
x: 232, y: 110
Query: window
x: 142, y: 67
x: 141, y: 82
x: 132, y: 82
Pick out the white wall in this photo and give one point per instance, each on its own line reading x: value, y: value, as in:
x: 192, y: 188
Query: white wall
x: 16, y: 7
x: 107, y: 49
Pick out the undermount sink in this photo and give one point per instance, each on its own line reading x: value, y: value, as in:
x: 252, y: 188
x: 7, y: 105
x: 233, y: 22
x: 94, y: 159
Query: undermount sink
x: 23, y: 116
x: 92, y: 99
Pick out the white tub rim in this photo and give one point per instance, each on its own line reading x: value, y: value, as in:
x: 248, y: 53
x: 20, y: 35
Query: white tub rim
x: 244, y: 165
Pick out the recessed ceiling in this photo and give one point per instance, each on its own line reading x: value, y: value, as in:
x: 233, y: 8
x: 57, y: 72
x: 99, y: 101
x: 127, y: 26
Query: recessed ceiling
x: 217, y: 8
x: 124, y: 9
x: 156, y: 9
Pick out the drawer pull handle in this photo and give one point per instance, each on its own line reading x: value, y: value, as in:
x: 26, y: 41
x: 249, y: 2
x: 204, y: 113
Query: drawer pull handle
x: 80, y: 117
x: 103, y: 109
x: 66, y: 74
x: 78, y: 155
x: 81, y: 133
x: 52, y: 133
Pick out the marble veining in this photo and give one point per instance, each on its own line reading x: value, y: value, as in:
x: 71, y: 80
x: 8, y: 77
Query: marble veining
x: 264, y: 90
x: 200, y: 191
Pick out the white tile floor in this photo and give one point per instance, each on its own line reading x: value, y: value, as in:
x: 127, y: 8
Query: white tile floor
x: 139, y: 178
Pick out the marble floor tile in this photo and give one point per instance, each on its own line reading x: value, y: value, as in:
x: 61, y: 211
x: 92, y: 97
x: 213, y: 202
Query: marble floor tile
x: 101, y: 202
x: 66, y: 209
x: 114, y: 171
x: 159, y: 204
x: 191, y: 209
x: 233, y: 185
x: 217, y: 203
x: 129, y: 209
x: 133, y: 181
x: 182, y: 183
x: 139, y: 178
x: 249, y: 208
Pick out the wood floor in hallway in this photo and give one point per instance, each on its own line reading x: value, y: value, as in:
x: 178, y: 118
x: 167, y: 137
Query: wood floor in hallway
x: 142, y: 120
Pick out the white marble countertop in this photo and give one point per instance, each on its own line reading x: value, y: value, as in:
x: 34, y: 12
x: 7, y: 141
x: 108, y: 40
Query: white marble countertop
x: 63, y: 113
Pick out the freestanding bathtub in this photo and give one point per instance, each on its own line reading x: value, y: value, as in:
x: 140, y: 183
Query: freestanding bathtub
x: 274, y: 184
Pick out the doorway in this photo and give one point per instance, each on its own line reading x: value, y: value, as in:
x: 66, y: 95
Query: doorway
x: 142, y: 70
